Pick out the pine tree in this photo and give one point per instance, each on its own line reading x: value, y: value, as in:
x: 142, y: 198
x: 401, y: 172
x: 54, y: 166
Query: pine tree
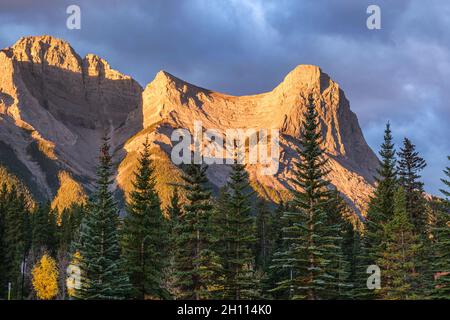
x: 397, y: 261
x: 381, y: 209
x: 409, y: 166
x: 144, y: 236
x: 236, y: 232
x: 441, y: 245
x: 194, y: 260
x: 311, y: 236
x: 102, y: 275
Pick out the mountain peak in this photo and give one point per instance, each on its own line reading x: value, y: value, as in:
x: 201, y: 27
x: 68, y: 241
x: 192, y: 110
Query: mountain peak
x: 41, y: 44
x: 41, y: 38
x: 305, y: 76
x: 303, y: 70
x: 45, y: 49
x: 165, y: 77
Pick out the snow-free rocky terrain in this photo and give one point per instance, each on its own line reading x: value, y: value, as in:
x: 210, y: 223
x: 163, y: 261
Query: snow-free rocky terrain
x: 55, y: 106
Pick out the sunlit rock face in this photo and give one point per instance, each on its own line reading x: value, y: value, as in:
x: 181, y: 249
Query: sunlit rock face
x: 55, y: 106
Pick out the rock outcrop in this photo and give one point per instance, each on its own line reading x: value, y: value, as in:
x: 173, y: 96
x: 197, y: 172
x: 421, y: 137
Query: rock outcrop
x: 55, y: 106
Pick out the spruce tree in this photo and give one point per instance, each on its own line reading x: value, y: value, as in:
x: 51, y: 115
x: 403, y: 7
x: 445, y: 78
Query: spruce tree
x: 175, y: 213
x: 194, y: 260
x: 446, y: 182
x: 174, y: 209
x: 441, y: 244
x: 144, y: 234
x: 409, y: 166
x: 341, y: 259
x: 2, y: 241
x: 17, y: 238
x: 274, y: 273
x: 237, y: 239
x: 381, y: 205
x: 101, y: 266
x: 352, y: 252
x: 312, y: 236
x: 264, y: 235
x: 44, y: 229
x: 39, y: 228
x: 397, y: 261
x: 380, y: 210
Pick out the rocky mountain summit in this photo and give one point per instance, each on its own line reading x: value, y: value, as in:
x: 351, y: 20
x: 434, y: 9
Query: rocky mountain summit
x: 55, y: 106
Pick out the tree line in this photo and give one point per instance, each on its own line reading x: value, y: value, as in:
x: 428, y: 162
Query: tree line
x: 234, y: 245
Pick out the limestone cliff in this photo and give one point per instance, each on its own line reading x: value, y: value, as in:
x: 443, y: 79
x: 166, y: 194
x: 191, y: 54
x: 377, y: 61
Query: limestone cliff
x: 55, y: 106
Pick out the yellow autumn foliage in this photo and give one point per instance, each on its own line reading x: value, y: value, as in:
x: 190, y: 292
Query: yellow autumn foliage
x: 70, y: 192
x: 45, y: 278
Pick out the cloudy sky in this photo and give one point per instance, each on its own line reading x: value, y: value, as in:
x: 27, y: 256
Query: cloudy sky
x: 400, y: 73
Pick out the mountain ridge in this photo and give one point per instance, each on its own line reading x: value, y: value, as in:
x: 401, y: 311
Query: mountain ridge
x: 62, y: 104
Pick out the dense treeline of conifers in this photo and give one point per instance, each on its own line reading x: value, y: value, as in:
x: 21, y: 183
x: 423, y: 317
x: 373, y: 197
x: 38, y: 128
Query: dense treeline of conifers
x: 231, y: 246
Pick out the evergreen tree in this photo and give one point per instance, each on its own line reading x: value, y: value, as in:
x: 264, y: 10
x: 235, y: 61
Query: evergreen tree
x: 2, y: 241
x: 219, y: 218
x: 274, y: 273
x: 195, y: 262
x: 144, y: 236
x: 352, y: 250
x: 175, y: 213
x: 446, y: 182
x: 16, y: 238
x: 44, y: 230
x: 381, y: 209
x: 68, y: 230
x: 264, y: 235
x: 39, y: 228
x: 397, y: 261
x: 237, y: 239
x: 340, y: 266
x: 409, y: 166
x: 441, y: 245
x: 312, y: 236
x: 102, y: 275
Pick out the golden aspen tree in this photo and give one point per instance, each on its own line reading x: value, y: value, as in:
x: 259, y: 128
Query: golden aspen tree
x: 45, y: 278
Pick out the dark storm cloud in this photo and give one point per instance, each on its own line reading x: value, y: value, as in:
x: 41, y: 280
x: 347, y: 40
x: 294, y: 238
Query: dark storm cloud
x: 399, y: 73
